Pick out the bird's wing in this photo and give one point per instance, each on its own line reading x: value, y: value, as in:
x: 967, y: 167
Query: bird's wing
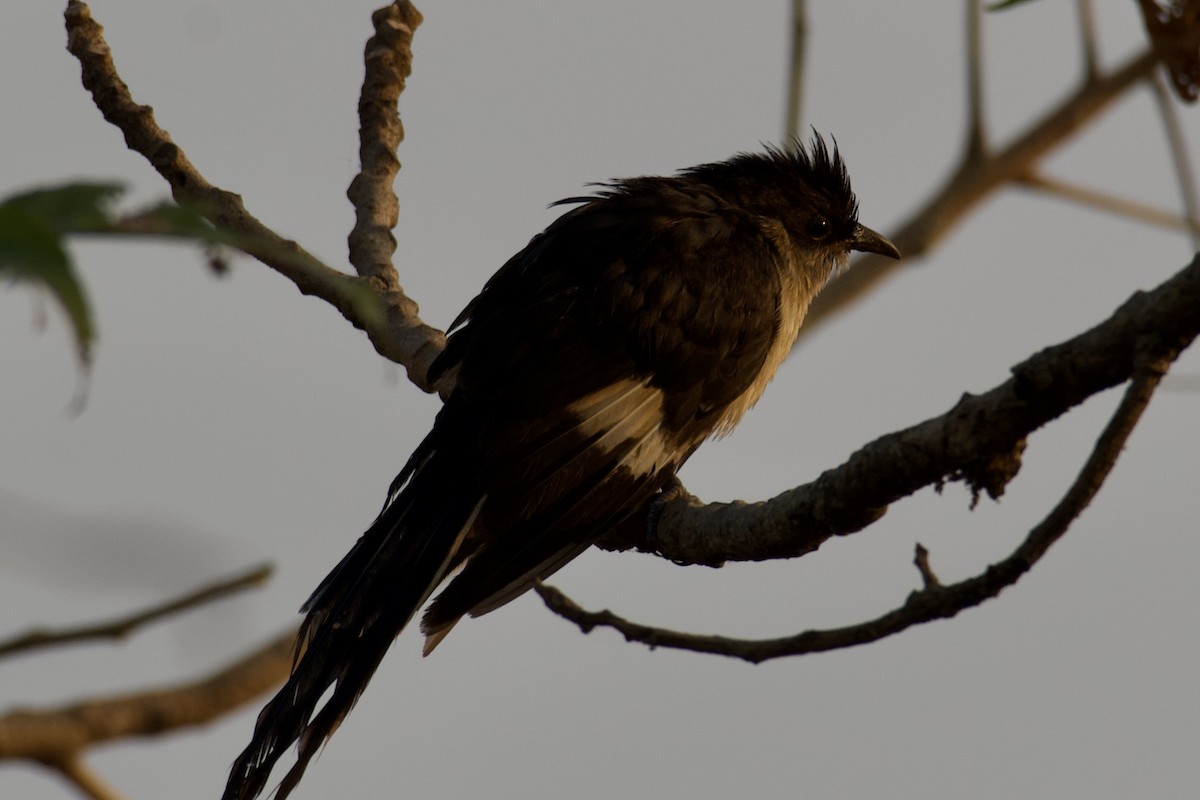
x: 600, y: 358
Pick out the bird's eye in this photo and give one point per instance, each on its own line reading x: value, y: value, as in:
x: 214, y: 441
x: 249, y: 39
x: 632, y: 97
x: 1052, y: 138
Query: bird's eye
x: 818, y: 228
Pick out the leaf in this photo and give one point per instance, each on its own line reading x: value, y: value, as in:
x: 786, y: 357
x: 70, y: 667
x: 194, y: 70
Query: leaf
x: 31, y: 251
x: 72, y: 208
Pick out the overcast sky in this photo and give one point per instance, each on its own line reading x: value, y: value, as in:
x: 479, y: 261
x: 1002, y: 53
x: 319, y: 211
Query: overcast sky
x: 231, y: 421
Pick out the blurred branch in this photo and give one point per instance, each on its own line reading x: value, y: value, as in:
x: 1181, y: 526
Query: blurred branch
x: 56, y: 737
x: 973, y: 181
x: 795, y: 80
x: 978, y: 441
x: 79, y: 774
x: 934, y: 601
x: 977, y: 145
x: 370, y: 301
x: 1183, y: 165
x: 1087, y: 37
x: 123, y: 626
x: 1111, y: 203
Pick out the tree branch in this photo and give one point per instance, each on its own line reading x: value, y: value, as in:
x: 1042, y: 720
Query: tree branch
x: 123, y: 626
x: 57, y: 736
x: 369, y: 302
x: 975, y: 180
x: 388, y: 62
x: 979, y: 440
x: 932, y: 602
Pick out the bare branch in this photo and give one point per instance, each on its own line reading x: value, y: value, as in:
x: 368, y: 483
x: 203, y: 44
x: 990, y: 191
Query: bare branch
x: 79, y: 774
x: 123, y: 626
x: 795, y: 81
x: 971, y: 184
x: 921, y: 560
x: 388, y: 62
x: 395, y: 330
x: 1179, y: 154
x: 978, y: 441
x: 1087, y: 36
x: 56, y: 736
x: 977, y: 145
x: 1109, y: 202
x: 932, y: 602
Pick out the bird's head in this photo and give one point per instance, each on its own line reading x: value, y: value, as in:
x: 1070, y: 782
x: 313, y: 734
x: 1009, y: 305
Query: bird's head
x: 807, y: 191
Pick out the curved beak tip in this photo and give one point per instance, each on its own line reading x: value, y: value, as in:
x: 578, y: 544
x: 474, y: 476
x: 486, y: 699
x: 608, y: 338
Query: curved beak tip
x: 868, y: 241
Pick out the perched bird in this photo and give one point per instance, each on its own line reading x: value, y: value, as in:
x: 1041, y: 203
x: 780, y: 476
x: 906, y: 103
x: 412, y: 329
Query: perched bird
x: 644, y: 320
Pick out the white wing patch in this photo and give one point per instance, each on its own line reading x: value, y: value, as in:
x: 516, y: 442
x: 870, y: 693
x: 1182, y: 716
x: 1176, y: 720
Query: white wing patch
x: 625, y: 411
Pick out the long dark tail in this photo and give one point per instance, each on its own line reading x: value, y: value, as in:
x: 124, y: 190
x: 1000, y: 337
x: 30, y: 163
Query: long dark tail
x: 362, y: 605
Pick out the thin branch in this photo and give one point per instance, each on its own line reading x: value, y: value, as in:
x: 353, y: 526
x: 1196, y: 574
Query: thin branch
x: 795, y: 81
x: 123, y: 626
x: 972, y: 183
x: 395, y: 330
x: 84, y: 778
x: 921, y: 559
x: 1087, y: 37
x: 977, y: 145
x: 57, y: 736
x: 1110, y: 203
x: 932, y: 602
x: 1179, y: 154
x: 978, y: 441
x: 387, y: 59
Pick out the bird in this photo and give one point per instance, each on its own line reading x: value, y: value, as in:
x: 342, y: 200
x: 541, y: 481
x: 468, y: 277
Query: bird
x: 646, y: 319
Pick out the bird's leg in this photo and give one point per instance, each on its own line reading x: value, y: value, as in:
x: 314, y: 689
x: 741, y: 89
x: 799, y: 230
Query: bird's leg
x: 673, y: 489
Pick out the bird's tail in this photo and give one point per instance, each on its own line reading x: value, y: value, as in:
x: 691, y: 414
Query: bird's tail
x: 360, y: 607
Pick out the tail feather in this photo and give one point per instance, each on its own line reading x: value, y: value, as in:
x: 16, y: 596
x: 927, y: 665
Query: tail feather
x: 359, y: 609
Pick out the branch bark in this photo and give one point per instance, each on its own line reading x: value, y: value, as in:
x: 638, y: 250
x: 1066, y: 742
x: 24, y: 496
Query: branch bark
x: 934, y: 601
x: 371, y: 301
x: 978, y: 440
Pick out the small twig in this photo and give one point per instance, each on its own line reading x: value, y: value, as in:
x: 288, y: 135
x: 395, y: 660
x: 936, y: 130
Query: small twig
x: 1109, y: 202
x: 977, y: 146
x: 1087, y: 36
x: 795, y: 97
x: 123, y: 626
x: 932, y: 602
x: 84, y: 778
x: 1179, y: 154
x: 921, y: 559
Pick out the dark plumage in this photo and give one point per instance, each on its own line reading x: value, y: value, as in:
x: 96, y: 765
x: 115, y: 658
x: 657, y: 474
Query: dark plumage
x: 644, y: 320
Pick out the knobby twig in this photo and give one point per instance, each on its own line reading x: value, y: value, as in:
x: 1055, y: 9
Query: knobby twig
x: 122, y: 627
x: 396, y: 331
x: 932, y: 602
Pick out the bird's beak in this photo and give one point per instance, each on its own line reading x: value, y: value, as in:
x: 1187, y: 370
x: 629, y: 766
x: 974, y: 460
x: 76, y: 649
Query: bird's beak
x: 868, y: 241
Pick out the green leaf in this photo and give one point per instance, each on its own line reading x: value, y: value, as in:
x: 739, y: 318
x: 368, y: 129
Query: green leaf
x: 31, y: 251
x: 72, y: 208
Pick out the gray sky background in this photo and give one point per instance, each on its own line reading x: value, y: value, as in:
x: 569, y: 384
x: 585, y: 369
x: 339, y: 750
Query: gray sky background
x: 231, y: 421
